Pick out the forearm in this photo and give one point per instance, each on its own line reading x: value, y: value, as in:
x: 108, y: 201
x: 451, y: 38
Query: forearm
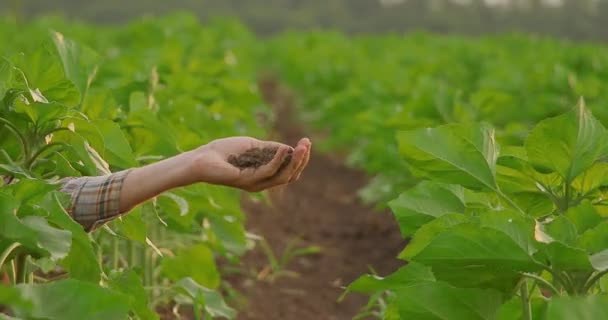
x: 97, y: 200
x: 151, y: 180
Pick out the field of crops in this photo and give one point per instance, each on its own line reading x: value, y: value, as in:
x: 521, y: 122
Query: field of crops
x: 492, y: 154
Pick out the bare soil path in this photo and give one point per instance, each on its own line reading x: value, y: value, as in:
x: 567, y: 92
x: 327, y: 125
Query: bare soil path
x: 322, y: 209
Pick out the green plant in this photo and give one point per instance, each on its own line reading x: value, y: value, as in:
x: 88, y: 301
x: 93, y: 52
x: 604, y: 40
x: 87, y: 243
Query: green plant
x: 277, y: 266
x: 502, y: 232
x: 86, y: 106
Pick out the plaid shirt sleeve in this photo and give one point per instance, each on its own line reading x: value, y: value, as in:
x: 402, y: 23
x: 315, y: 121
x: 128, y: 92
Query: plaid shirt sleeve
x: 94, y: 200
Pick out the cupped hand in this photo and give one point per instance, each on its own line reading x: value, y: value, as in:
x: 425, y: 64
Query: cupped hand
x: 211, y: 163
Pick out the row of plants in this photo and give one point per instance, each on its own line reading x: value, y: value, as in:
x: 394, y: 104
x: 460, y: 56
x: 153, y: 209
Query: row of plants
x: 79, y: 100
x: 496, y: 177
x: 360, y: 90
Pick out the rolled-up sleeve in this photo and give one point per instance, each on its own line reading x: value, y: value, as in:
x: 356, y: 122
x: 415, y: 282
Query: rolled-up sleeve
x: 94, y: 200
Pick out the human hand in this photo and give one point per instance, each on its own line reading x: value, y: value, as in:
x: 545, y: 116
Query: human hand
x: 211, y: 163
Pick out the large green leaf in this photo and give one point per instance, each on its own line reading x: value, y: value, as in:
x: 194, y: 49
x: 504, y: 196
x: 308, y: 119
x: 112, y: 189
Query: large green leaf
x: 454, y: 154
x: 439, y: 301
x: 79, y: 62
x: 211, y: 300
x: 129, y: 283
x: 106, y: 137
x: 560, y: 229
x: 427, y: 233
x: 423, y: 203
x: 518, y: 227
x: 596, y: 239
x: 564, y: 257
x: 118, y: 151
x: 73, y: 300
x: 81, y: 262
x: 584, y: 217
x: 568, y: 144
x: 41, y: 74
x: 33, y: 232
x: 502, y: 279
x: 467, y: 245
x: 56, y: 241
x: 592, y: 307
x: 196, y: 262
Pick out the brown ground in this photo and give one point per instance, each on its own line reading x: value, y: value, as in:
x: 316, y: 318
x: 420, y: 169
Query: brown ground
x: 321, y: 210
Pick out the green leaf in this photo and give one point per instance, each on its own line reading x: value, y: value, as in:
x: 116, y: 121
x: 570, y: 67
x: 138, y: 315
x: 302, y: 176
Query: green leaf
x: 469, y: 245
x: 132, y: 225
x: 79, y: 62
x: 565, y: 258
x: 118, y: 152
x: 230, y: 233
x: 73, y: 299
x: 439, y: 301
x: 454, y: 154
x: 33, y: 232
x: 81, y: 262
x: 129, y: 283
x: 55, y: 241
x: 534, y: 204
x: 12, y: 297
x: 427, y: 233
x: 502, y: 279
x: 423, y: 203
x: 568, y: 144
x: 584, y: 217
x: 181, y: 202
x: 106, y: 137
x: 196, y: 262
x: 592, y: 178
x: 407, y: 275
x: 592, y: 307
x: 212, y: 301
x: 513, y: 309
x: 42, y: 75
x: 513, y: 224
x: 561, y: 229
x: 596, y: 239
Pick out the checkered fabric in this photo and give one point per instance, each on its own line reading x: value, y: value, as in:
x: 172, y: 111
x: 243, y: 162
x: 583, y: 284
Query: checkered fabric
x: 94, y: 200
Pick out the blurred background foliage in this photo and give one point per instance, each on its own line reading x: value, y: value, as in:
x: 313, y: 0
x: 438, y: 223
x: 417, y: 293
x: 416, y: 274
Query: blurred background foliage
x: 576, y: 19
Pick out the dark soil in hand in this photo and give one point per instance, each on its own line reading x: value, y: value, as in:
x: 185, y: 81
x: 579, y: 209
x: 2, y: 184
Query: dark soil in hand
x: 253, y: 158
x: 257, y: 157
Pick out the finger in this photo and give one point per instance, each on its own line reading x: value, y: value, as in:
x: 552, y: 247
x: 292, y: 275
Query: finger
x: 304, y: 163
x: 271, y: 168
x: 285, y: 175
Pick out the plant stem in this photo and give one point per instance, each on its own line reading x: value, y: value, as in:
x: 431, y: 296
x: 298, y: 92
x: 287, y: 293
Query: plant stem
x: 7, y: 252
x: 566, y: 197
x: 15, y: 131
x: 33, y: 158
x: 115, y: 253
x: 133, y: 259
x: 542, y: 281
x: 21, y: 268
x: 525, y: 300
x: 596, y: 277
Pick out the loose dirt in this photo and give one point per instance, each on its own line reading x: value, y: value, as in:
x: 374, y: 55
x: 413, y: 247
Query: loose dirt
x: 323, y: 210
x: 254, y: 158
